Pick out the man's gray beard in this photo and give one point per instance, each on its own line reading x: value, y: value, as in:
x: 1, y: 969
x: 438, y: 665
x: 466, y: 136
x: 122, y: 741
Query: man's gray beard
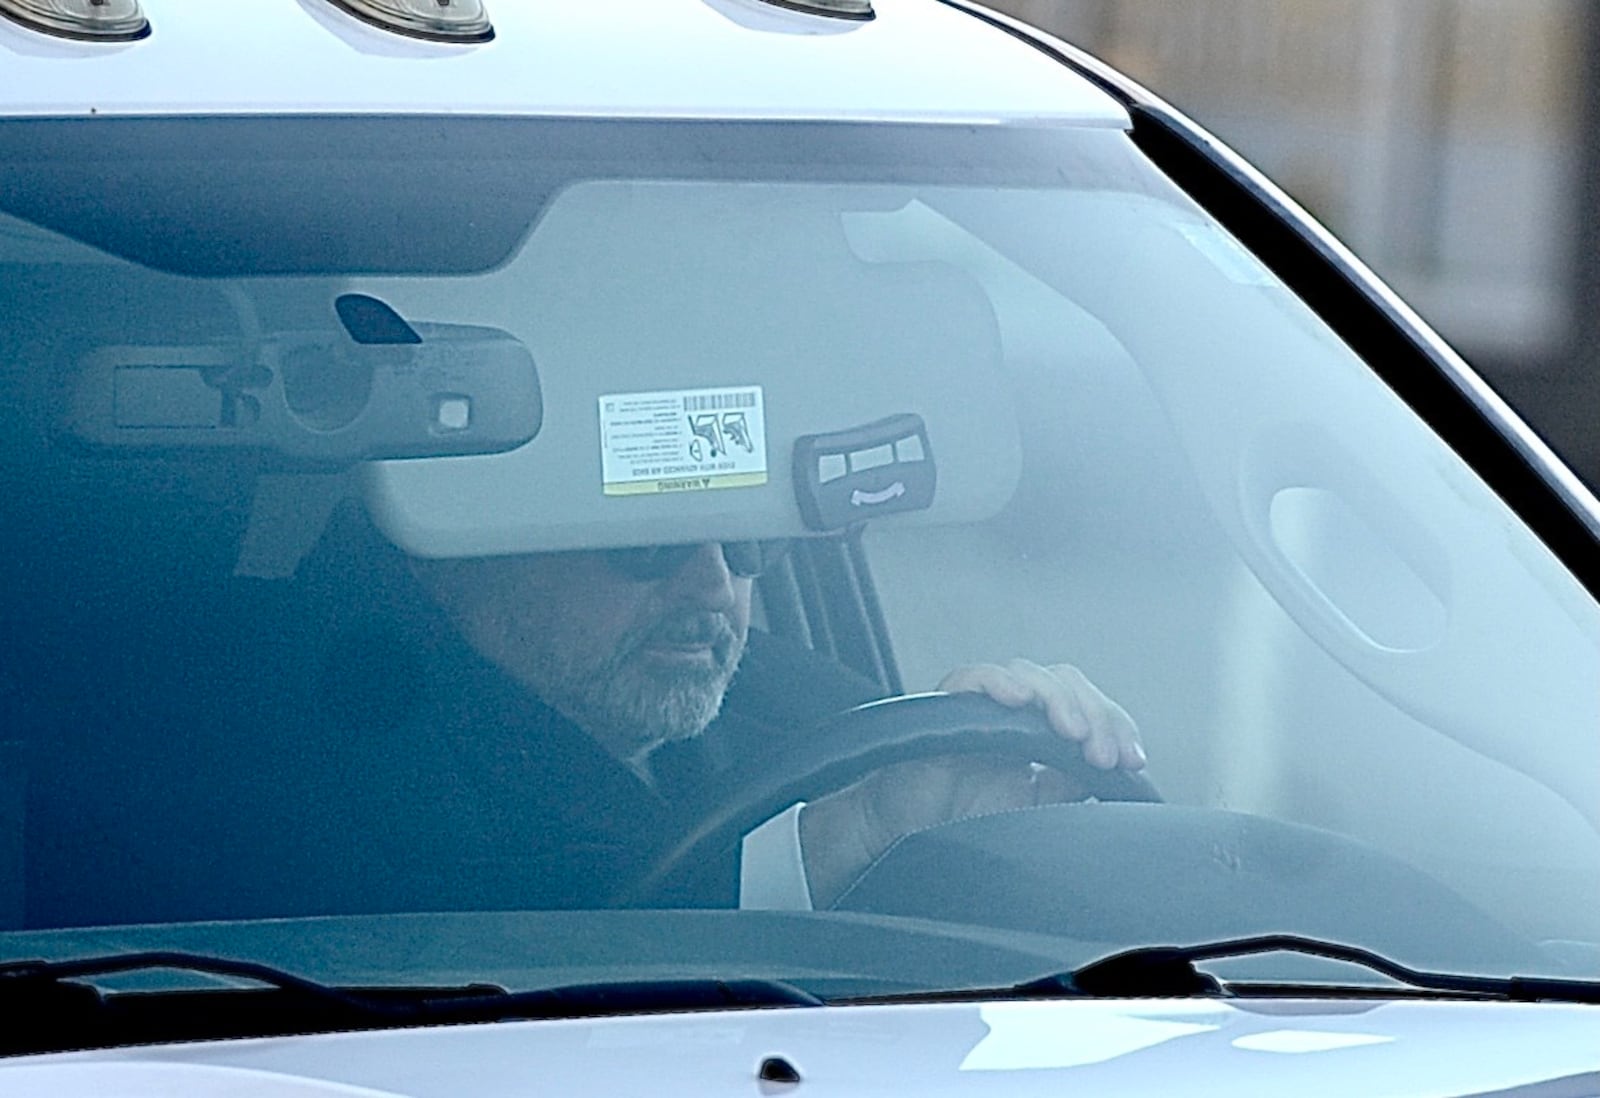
x: 631, y: 708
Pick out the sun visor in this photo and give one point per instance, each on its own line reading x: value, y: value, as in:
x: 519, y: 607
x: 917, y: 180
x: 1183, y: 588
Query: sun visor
x: 692, y: 338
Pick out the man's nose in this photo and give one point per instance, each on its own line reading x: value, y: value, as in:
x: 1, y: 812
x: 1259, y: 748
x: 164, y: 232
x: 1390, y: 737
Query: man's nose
x: 704, y: 580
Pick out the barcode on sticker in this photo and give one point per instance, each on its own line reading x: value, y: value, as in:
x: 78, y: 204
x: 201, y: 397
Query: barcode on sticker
x: 682, y: 440
x: 718, y: 402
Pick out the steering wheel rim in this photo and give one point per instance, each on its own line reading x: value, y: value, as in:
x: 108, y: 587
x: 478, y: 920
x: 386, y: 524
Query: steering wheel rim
x: 850, y: 745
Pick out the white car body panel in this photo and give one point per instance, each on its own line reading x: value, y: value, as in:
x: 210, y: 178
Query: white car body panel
x: 620, y: 58
x: 919, y: 60
x: 1308, y: 1048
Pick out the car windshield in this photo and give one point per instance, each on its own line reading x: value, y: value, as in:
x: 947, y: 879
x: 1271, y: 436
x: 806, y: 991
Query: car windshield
x: 437, y: 543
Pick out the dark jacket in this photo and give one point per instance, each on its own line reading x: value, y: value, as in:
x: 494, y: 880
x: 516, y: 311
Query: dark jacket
x: 391, y: 770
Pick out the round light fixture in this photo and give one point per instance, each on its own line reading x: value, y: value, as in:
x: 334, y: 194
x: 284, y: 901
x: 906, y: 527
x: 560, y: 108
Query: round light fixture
x: 837, y: 9
x: 435, y: 20
x: 84, y: 20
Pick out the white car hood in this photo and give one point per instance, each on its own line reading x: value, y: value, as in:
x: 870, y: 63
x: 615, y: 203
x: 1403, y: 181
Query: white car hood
x: 1267, y: 1047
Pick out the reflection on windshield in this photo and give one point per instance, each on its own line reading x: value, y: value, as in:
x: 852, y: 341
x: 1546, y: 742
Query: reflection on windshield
x: 1061, y: 443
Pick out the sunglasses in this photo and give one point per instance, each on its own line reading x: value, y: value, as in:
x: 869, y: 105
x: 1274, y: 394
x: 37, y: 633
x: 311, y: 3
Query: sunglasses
x: 745, y: 559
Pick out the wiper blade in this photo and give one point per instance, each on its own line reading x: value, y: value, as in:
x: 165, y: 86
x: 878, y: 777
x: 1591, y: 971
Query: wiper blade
x: 26, y: 978
x: 1172, y: 971
x: 52, y: 1009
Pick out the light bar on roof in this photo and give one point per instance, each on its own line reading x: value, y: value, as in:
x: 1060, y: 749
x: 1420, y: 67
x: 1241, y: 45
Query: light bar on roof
x: 435, y: 20
x: 85, y: 20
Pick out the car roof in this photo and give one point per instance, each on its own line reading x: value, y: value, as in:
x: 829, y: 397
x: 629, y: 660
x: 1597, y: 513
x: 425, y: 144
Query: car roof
x: 917, y: 60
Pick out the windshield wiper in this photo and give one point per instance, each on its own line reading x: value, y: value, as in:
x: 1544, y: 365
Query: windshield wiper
x: 51, y: 1007
x: 1173, y: 971
x: 1170, y: 972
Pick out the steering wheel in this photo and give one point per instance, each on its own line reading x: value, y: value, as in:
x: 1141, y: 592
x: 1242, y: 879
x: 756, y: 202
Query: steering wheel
x: 853, y: 744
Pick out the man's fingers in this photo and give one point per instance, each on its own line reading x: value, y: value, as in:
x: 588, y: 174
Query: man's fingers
x: 1075, y: 707
x: 1116, y: 737
x: 856, y: 824
x: 1061, y: 693
x: 1020, y: 683
x: 991, y: 679
x: 1081, y: 711
x: 842, y: 833
x: 921, y: 793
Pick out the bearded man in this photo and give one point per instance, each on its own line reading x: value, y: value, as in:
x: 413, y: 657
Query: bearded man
x: 641, y: 682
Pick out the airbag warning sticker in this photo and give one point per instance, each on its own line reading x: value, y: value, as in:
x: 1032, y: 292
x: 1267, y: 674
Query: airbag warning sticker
x: 684, y: 440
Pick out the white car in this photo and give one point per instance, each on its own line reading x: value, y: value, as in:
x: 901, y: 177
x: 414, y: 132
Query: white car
x: 747, y: 547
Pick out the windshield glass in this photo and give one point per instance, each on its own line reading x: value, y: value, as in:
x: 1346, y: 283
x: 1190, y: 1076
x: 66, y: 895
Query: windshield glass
x: 437, y: 545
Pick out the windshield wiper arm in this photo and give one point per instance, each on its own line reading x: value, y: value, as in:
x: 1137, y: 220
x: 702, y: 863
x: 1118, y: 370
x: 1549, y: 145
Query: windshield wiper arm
x: 1172, y: 971
x: 53, y: 1009
x: 25, y: 978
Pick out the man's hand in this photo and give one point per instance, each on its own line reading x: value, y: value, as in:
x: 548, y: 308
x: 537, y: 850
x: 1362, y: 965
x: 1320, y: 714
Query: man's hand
x: 1076, y: 707
x: 843, y: 833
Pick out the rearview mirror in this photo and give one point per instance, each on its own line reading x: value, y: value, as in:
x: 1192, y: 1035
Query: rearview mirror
x: 323, y: 397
